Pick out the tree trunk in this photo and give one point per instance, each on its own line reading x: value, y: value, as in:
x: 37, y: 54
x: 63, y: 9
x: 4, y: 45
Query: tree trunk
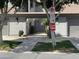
x: 2, y: 21
x: 48, y: 18
x: 1, y: 38
x: 44, y: 5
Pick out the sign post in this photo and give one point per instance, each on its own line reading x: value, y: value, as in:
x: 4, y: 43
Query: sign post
x: 52, y: 25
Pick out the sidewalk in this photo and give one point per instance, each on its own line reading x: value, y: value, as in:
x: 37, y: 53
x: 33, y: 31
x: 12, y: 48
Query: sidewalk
x: 38, y: 55
x: 13, y: 38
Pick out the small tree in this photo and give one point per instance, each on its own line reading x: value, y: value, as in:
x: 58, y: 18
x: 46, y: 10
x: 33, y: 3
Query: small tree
x: 5, y: 11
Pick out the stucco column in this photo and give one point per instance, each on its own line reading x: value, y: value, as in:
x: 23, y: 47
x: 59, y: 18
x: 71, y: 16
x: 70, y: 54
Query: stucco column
x: 28, y: 5
x: 34, y: 5
x: 27, y: 20
x: 33, y: 10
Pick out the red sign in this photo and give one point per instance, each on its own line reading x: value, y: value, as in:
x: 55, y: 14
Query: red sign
x: 52, y: 27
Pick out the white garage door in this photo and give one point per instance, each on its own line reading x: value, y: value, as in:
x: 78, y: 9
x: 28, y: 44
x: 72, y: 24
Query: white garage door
x: 15, y: 27
x: 62, y: 27
x: 74, y: 27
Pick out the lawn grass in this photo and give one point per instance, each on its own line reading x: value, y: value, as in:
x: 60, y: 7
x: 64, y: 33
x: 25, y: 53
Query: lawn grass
x: 64, y: 46
x: 8, y: 45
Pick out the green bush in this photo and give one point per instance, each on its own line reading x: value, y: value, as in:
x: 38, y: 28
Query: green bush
x: 45, y: 23
x: 48, y: 31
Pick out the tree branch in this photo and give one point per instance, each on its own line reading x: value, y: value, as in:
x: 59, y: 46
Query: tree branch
x: 48, y: 17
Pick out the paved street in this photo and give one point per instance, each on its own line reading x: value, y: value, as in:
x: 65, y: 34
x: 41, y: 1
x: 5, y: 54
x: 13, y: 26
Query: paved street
x: 40, y: 55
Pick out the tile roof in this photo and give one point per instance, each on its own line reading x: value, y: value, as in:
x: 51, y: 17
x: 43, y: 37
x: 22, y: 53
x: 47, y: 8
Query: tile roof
x: 71, y: 8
